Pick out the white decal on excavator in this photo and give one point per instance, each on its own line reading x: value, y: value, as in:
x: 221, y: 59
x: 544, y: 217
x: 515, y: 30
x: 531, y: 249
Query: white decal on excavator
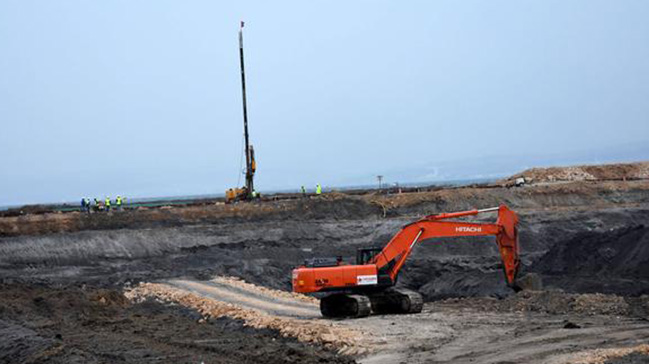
x: 363, y: 280
x: 468, y: 229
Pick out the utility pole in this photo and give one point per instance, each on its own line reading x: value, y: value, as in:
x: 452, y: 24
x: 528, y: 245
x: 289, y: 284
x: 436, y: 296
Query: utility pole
x: 249, y: 151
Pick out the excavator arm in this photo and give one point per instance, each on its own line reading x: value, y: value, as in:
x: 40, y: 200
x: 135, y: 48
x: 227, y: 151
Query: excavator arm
x: 382, y: 267
x: 391, y: 259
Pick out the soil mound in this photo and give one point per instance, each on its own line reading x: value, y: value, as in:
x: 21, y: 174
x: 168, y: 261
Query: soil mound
x: 620, y: 171
x: 439, y: 279
x: 614, y: 261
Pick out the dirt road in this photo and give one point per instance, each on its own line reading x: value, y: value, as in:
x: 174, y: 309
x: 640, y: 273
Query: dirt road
x: 270, y: 304
x: 448, y: 331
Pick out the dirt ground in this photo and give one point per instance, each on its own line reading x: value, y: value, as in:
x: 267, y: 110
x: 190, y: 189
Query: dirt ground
x: 528, y: 327
x: 90, y: 325
x: 63, y: 278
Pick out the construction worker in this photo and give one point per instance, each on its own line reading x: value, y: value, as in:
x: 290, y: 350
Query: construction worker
x: 118, y: 203
x: 318, y: 189
x: 83, y: 204
x: 107, y: 203
x: 87, y: 202
x: 96, y: 204
x: 303, y: 191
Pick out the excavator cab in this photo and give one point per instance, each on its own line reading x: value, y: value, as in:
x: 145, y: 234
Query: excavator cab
x: 363, y: 255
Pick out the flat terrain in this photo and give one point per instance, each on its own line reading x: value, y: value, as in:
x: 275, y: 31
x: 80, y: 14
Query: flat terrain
x: 72, y: 286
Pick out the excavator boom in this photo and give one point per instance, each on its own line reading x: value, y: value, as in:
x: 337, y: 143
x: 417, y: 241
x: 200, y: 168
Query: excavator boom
x: 395, y: 253
x: 376, y: 270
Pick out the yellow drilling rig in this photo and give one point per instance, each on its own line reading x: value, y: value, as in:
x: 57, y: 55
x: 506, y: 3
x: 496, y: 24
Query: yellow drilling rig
x: 247, y: 192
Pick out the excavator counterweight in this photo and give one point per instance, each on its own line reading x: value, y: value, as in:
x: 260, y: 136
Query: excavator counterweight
x: 356, y: 290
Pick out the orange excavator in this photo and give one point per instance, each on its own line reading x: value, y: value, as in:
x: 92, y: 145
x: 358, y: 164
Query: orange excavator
x: 356, y: 290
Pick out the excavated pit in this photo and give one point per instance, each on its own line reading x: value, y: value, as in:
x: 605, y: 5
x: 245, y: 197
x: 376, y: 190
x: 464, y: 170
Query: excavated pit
x: 581, y: 238
x: 264, y: 253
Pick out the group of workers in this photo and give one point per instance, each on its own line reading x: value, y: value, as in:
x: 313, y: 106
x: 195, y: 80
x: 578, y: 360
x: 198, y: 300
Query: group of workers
x: 105, y: 205
x: 318, y: 190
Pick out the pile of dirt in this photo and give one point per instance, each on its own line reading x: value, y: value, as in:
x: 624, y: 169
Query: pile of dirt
x: 614, y: 261
x: 255, y: 289
x: 81, y: 325
x: 559, y: 303
x: 437, y: 278
x: 619, y: 171
x: 554, y: 302
x: 320, y: 332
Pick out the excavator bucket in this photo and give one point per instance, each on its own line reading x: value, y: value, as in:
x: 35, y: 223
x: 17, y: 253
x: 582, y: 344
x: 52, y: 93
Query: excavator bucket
x: 508, y: 244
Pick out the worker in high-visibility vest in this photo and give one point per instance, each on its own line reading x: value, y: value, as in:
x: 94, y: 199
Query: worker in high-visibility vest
x: 118, y: 203
x: 107, y: 203
x: 318, y: 189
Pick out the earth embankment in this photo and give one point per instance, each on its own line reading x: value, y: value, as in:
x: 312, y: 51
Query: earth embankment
x: 584, y: 194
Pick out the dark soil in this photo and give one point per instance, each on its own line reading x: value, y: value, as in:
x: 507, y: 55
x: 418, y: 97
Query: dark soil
x: 336, y: 206
x: 613, y: 261
x: 89, y: 325
x: 265, y: 253
x: 44, y: 260
x: 633, y: 358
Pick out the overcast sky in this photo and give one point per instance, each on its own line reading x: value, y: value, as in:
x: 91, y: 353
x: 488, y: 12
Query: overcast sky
x: 143, y: 98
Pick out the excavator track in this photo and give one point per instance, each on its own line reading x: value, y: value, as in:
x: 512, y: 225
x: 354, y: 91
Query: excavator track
x: 345, y: 305
x: 397, y: 300
x: 416, y: 301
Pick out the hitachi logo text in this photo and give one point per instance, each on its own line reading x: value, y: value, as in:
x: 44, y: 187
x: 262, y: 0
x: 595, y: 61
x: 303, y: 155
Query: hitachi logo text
x: 468, y: 229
